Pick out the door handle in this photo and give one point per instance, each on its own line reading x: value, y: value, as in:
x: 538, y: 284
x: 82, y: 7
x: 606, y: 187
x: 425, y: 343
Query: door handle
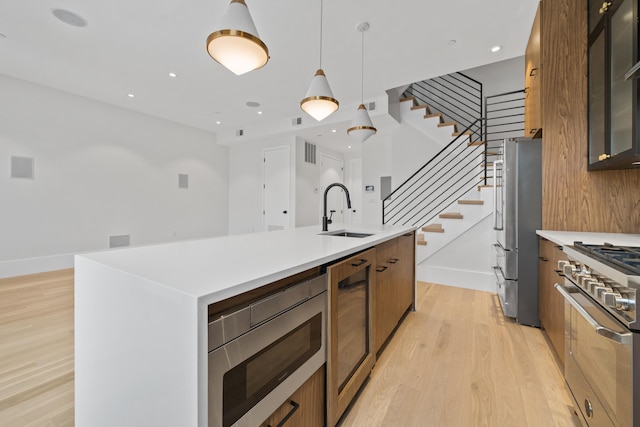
x: 357, y: 264
x: 294, y: 408
x: 496, y: 226
x: 381, y: 269
x: 603, y: 331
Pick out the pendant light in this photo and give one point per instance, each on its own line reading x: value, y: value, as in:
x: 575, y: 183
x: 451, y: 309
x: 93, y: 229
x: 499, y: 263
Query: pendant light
x: 319, y: 102
x: 362, y: 127
x: 237, y: 45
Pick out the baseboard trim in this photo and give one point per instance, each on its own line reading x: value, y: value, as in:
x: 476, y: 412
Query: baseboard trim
x: 477, y: 280
x: 22, y: 267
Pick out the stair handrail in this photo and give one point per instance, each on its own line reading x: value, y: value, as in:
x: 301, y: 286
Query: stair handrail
x: 439, y: 157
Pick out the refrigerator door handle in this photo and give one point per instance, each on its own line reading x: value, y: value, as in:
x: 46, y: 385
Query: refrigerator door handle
x: 499, y: 249
x: 498, y: 272
x: 497, y: 222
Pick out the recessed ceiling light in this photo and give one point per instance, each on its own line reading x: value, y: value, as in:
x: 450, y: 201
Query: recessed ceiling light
x: 218, y: 122
x: 173, y: 75
x: 130, y: 95
x: 253, y: 104
x: 349, y: 146
x: 259, y: 112
x: 69, y: 18
x: 496, y: 49
x: 333, y: 130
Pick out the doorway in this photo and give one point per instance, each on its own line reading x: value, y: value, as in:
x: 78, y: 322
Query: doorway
x: 276, y: 188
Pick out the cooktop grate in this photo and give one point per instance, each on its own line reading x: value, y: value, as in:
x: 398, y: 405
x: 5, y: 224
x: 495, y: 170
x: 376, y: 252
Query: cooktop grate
x: 622, y: 258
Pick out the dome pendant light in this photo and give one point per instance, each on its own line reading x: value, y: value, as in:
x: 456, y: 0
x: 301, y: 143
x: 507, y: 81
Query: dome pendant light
x: 319, y: 101
x: 237, y: 45
x: 362, y: 127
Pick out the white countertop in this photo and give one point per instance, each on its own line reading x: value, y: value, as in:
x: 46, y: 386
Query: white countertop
x: 566, y: 238
x: 217, y: 268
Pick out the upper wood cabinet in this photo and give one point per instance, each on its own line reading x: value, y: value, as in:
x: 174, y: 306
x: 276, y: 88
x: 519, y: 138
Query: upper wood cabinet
x: 533, y: 80
x: 613, y: 97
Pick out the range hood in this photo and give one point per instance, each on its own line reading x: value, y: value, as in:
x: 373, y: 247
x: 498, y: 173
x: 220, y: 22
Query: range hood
x: 634, y: 72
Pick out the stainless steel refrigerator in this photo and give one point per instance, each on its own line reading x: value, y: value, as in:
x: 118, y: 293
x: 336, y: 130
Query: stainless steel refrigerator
x: 517, y: 215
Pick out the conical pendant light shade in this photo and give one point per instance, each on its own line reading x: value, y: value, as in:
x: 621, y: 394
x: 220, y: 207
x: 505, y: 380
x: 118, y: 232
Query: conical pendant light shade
x: 361, y: 127
x: 237, y: 45
x: 319, y: 102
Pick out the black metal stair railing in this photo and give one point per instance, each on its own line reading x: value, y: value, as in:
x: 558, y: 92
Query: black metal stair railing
x: 456, y: 96
x: 451, y: 173
x: 505, y: 118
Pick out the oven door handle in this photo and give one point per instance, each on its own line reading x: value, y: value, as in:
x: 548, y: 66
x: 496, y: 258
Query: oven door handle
x: 624, y: 338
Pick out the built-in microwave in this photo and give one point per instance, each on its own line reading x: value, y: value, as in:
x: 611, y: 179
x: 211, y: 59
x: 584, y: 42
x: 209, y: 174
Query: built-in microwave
x: 260, y: 355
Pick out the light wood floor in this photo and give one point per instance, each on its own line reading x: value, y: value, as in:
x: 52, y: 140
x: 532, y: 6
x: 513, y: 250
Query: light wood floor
x: 36, y: 350
x: 474, y: 369
x: 458, y: 362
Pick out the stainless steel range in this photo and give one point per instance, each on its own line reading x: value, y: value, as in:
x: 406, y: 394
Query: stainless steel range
x: 602, y: 333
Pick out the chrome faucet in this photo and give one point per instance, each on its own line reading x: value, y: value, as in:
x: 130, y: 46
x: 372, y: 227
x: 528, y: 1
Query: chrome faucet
x: 326, y: 221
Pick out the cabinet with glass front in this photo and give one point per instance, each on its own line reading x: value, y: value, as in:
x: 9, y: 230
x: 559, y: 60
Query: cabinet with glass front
x: 613, y: 90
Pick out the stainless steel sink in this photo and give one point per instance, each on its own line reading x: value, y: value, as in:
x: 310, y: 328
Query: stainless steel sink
x: 345, y: 233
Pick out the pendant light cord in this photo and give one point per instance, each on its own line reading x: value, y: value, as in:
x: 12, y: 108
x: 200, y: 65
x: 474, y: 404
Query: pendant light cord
x: 362, y: 70
x: 321, y: 1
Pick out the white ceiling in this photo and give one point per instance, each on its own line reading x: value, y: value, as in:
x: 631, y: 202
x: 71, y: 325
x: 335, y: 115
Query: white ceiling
x: 131, y: 46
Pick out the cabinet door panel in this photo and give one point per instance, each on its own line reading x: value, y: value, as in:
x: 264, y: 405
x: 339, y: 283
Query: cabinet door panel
x: 597, y: 98
x: 622, y: 59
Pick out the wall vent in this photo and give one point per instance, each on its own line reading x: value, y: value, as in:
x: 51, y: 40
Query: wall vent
x: 21, y: 167
x: 296, y: 121
x: 119, y: 241
x: 183, y: 180
x: 371, y: 106
x: 239, y: 132
x: 309, y: 153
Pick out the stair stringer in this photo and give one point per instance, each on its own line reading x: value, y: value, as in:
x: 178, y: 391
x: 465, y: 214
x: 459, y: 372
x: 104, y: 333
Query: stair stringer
x: 454, y: 228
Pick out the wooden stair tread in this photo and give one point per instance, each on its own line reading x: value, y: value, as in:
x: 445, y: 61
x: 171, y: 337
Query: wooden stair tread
x: 454, y: 124
x: 492, y: 153
x: 467, y: 133
x: 451, y: 215
x: 422, y: 242
x: 486, y: 186
x: 409, y: 98
x: 475, y: 143
x: 429, y: 116
x: 433, y: 228
x: 470, y: 202
x: 426, y: 108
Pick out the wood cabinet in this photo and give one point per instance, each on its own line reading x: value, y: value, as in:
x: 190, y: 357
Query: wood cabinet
x: 613, y: 96
x: 350, y: 355
x: 533, y: 80
x: 304, y: 408
x: 551, y: 303
x: 394, y: 285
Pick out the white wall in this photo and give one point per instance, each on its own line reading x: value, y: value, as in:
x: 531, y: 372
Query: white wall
x: 100, y: 170
x: 245, y: 194
x: 499, y: 77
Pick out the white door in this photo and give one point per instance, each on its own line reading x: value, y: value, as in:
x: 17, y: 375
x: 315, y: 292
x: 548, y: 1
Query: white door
x: 355, y: 189
x: 276, y: 184
x: 332, y: 171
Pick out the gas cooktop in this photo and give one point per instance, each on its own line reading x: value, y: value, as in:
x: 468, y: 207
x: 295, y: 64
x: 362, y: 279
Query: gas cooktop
x: 623, y: 258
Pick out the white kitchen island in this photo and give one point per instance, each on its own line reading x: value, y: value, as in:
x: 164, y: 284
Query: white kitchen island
x: 141, y: 316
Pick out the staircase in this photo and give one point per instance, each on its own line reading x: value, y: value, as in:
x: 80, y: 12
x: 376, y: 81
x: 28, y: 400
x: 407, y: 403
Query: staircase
x: 452, y: 192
